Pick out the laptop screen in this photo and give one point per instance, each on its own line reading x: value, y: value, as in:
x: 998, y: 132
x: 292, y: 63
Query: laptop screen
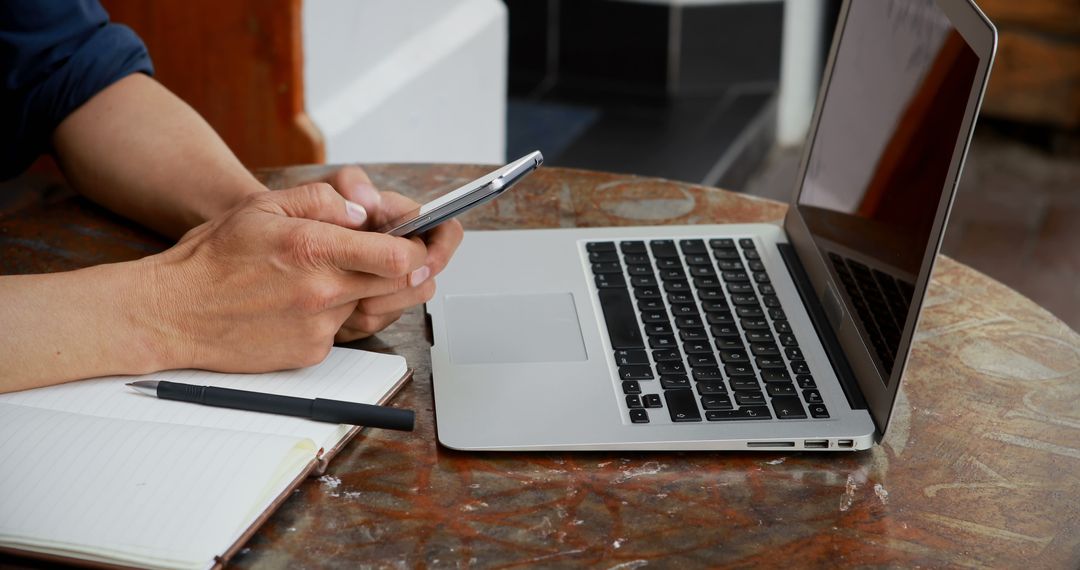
x: 881, y: 157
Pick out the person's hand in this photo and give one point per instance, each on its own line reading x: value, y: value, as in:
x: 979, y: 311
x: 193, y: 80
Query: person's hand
x: 269, y: 284
x: 375, y: 313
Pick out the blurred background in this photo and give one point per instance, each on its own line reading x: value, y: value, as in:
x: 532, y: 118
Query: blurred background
x: 715, y: 92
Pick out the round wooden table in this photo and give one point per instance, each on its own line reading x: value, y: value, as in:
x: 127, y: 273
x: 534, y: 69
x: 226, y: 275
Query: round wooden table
x: 981, y: 466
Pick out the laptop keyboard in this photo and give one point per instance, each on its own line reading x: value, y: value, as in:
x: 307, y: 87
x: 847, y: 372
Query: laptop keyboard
x: 699, y: 333
x: 881, y: 301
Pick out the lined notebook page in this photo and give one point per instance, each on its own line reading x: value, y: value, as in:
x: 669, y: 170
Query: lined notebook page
x: 346, y: 374
x: 148, y: 494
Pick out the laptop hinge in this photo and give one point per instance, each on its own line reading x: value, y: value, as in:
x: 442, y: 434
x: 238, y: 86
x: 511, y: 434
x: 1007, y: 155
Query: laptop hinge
x: 821, y: 325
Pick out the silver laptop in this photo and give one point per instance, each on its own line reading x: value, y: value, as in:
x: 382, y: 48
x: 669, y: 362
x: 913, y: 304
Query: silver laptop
x: 770, y: 337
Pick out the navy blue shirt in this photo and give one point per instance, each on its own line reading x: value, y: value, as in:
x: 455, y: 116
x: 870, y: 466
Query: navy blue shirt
x: 54, y: 56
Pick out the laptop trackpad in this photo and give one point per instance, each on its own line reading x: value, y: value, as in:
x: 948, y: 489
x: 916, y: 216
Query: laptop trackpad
x: 485, y: 329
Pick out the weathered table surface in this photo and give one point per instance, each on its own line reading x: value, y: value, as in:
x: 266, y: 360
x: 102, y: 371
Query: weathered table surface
x: 980, y: 468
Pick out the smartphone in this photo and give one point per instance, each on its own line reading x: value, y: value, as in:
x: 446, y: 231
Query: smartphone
x: 475, y: 193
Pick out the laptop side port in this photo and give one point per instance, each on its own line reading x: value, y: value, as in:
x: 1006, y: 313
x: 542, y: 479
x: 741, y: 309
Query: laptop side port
x: 849, y: 443
x: 816, y: 444
x: 770, y: 444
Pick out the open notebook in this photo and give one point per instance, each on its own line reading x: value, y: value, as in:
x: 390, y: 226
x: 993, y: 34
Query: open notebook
x: 94, y: 471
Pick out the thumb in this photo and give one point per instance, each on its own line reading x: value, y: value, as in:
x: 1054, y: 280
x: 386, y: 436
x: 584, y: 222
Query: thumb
x: 318, y: 202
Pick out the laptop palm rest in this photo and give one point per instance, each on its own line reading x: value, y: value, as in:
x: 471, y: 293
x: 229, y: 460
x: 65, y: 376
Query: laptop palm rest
x: 488, y: 329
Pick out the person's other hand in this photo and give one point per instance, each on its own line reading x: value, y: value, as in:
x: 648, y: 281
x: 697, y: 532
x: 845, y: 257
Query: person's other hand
x: 372, y: 314
x: 269, y: 284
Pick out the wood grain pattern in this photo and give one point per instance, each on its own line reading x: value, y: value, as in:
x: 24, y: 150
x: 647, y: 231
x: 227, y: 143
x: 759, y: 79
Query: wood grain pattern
x: 1035, y: 79
x: 239, y: 64
x: 980, y: 467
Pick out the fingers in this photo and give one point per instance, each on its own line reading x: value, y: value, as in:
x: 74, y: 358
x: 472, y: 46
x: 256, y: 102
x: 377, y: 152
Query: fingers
x: 442, y: 242
x: 317, y: 202
x: 355, y: 185
x: 368, y: 252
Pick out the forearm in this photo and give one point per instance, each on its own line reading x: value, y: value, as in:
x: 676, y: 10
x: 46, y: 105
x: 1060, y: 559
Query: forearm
x: 140, y: 151
x: 77, y: 324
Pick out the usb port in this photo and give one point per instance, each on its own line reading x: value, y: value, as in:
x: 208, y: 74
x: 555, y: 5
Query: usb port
x: 816, y: 444
x: 845, y: 443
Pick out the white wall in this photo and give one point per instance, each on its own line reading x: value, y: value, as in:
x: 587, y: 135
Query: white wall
x: 407, y: 80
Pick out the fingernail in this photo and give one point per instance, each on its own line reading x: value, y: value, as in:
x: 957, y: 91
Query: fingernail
x: 419, y: 276
x: 367, y: 194
x: 356, y: 212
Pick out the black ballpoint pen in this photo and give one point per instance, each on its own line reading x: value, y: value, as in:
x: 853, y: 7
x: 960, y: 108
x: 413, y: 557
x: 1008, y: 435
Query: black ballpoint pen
x: 319, y: 409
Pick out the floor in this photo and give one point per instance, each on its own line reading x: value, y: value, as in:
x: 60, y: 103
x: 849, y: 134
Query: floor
x: 1016, y: 215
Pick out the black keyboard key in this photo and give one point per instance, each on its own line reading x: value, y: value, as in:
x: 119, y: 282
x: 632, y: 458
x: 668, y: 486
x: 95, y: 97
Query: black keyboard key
x: 620, y: 319
x: 666, y: 355
x: 759, y: 336
x: 754, y: 324
x: 782, y: 327
x: 716, y: 402
x: 632, y: 247
x: 764, y: 350
x: 756, y: 265
x: 793, y: 353
x: 707, y: 374
x: 702, y: 271
x: 749, y: 398
x: 751, y: 254
x: 788, y: 340
x: 646, y: 293
x: 631, y: 387
x: 734, y: 276
x: 693, y: 335
x: 732, y: 356
x: 812, y: 397
x: 639, y: 270
x: 667, y: 341
x: 710, y: 294
x: 684, y: 309
x: 766, y: 289
x: 603, y: 256
x: 761, y: 277
x: 670, y: 368
x: 818, y: 411
x: 707, y: 283
x: 639, y: 416
x: 692, y: 246
x: 651, y: 305
x: 702, y: 361
x: 610, y: 281
x: 720, y: 316
x: 749, y: 312
x: 711, y: 388
x: 682, y: 406
x: 778, y: 389
x: 625, y: 357
x: 734, y: 288
x: 771, y: 301
x: 672, y: 275
x: 729, y: 343
x: 805, y: 381
x: 663, y: 248
x: 747, y: 413
x: 727, y: 254
x: 799, y: 367
x: 775, y: 375
x: 698, y: 260
x: 747, y: 243
x: 777, y: 314
x: 744, y: 384
x: 668, y: 263
x: 721, y: 331
x: 652, y: 401
x: 739, y: 370
x: 636, y: 372
x: 654, y: 317
x: 654, y: 329
x: 643, y: 281
x: 674, y: 382
x: 636, y: 259
x: 764, y: 362
x: 788, y: 408
x: 596, y: 246
x: 680, y: 298
x: 633, y: 401
x: 697, y: 348
x: 748, y: 299
x: 689, y: 322
x: 676, y: 286
x: 720, y: 243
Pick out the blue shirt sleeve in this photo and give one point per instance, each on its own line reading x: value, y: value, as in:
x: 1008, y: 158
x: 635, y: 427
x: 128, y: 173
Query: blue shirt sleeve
x: 54, y: 56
